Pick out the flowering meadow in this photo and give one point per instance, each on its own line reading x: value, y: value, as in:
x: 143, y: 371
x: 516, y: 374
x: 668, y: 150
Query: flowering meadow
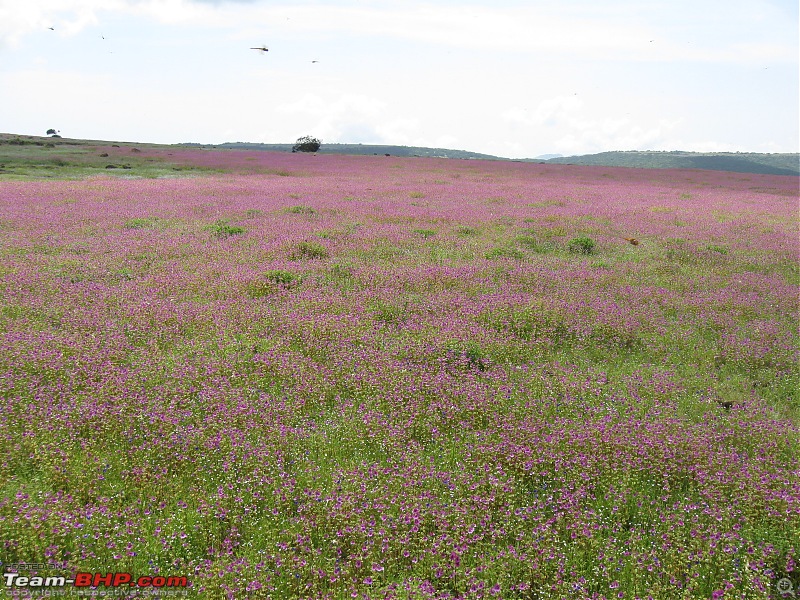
x: 375, y: 377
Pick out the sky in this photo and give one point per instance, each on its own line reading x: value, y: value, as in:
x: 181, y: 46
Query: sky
x: 511, y: 78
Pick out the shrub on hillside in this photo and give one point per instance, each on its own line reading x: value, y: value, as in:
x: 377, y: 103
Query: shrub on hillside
x: 300, y: 210
x: 581, y: 245
x: 310, y: 250
x: 272, y: 281
x: 307, y: 144
x: 505, y: 252
x: 222, y: 229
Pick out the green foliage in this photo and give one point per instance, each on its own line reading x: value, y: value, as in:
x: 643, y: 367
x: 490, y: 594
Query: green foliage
x: 581, y: 245
x: 532, y: 243
x: 545, y: 204
x: 468, y: 355
x: 310, y: 250
x: 281, y: 277
x: 614, y: 338
x: 555, y: 231
x: 35, y: 159
x: 141, y: 223
x: 391, y: 314
x: 739, y: 162
x: 529, y: 323
x: 472, y: 395
x: 339, y: 271
x: 306, y: 144
x: 222, y: 229
x: 300, y: 210
x: 466, y: 231
x: 123, y: 274
x: 505, y: 252
x: 425, y: 233
x: 273, y: 280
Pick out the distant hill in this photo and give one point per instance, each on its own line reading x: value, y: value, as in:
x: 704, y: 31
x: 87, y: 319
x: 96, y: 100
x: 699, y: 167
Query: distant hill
x: 740, y: 162
x: 745, y: 162
x: 365, y: 149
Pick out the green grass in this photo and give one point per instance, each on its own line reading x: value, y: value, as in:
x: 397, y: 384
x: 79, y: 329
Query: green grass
x: 504, y: 252
x: 300, y: 209
x: 581, y: 245
x: 310, y: 251
x: 323, y: 412
x: 271, y: 282
x: 223, y: 229
x: 78, y: 160
x: 142, y: 223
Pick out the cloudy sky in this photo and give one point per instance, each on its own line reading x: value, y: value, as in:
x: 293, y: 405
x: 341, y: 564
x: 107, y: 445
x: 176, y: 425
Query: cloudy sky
x: 513, y: 78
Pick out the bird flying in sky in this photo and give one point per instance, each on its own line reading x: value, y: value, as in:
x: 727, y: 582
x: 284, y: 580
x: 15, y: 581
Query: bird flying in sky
x: 261, y: 49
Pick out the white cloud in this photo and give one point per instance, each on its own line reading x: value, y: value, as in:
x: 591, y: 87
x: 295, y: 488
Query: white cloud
x: 548, y: 112
x: 495, y: 77
x: 600, y: 135
x: 406, y: 130
x: 575, y: 29
x: 337, y: 117
x: 356, y: 118
x: 565, y: 124
x: 19, y: 18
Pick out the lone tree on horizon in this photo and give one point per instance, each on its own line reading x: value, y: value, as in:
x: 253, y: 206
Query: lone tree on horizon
x: 306, y: 144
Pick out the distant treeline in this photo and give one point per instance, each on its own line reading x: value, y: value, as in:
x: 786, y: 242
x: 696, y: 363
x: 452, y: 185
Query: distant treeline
x: 739, y: 162
x: 365, y: 149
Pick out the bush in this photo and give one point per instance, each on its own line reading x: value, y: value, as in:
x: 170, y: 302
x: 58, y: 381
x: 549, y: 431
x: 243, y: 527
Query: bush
x: 301, y: 210
x: 465, y: 230
x: 307, y: 144
x: 141, y: 223
x: 281, y: 277
x: 339, y: 271
x: 310, y: 250
x: 222, y: 229
x: 468, y: 355
x: 533, y: 244
x: 476, y: 357
x: 514, y: 253
x: 390, y: 314
x: 273, y: 281
x: 581, y: 245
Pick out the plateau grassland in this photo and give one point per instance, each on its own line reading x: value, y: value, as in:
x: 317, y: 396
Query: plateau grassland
x: 370, y: 377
